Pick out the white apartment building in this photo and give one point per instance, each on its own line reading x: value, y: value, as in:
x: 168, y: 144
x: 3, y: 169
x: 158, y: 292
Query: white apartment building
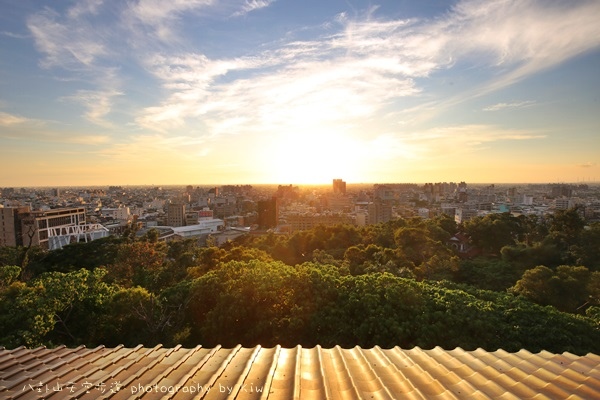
x: 464, y: 214
x: 564, y: 203
x: 121, y: 213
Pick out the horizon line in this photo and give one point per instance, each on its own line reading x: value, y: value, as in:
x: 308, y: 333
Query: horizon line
x: 596, y: 182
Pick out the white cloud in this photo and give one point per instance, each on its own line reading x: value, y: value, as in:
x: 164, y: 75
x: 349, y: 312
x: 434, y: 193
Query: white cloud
x: 14, y: 35
x: 10, y: 119
x: 71, y: 43
x: 444, y: 141
x: 152, y: 148
x: 503, y: 106
x: 300, y: 93
x: 523, y: 36
x: 83, y: 7
x: 307, y: 82
x: 252, y: 5
x: 92, y: 140
x: 358, y: 72
x: 98, y: 104
x: 351, y: 80
x: 84, y: 46
x: 35, y: 132
x: 155, y: 12
x: 160, y: 16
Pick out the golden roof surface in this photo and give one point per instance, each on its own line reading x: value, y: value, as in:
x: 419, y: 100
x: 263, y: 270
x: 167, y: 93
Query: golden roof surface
x: 294, y: 373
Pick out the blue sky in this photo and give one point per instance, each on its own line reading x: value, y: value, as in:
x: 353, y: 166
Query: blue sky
x: 98, y: 92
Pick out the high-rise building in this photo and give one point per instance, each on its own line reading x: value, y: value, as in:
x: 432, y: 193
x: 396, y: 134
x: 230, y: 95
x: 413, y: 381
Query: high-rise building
x: 384, y: 192
x: 10, y: 225
x: 176, y: 214
x: 463, y: 196
x: 379, y: 212
x: 339, y: 186
x: 561, y: 191
x: 564, y: 203
x: 268, y: 213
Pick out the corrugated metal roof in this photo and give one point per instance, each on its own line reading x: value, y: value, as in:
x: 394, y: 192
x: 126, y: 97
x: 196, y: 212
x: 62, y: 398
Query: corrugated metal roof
x: 295, y: 373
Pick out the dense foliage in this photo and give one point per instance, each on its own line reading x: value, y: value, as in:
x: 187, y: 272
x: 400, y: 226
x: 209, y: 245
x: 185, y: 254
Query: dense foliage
x: 535, y: 284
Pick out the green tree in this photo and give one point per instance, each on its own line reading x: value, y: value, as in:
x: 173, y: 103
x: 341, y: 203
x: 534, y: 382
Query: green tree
x: 565, y: 229
x: 426, y: 257
x: 373, y: 309
x: 136, y: 316
x: 488, y: 274
x: 446, y: 223
x: 587, y: 250
x: 90, y: 255
x: 53, y: 308
x: 255, y: 302
x: 8, y: 275
x: 524, y: 257
x: 534, y: 230
x: 141, y: 263
x: 493, y: 231
x: 567, y: 288
x: 11, y: 255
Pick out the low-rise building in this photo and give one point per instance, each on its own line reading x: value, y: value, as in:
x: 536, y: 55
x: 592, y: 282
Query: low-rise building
x: 307, y: 221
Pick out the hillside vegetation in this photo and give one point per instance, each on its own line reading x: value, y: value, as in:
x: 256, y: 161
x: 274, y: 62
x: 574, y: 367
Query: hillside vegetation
x: 533, y: 284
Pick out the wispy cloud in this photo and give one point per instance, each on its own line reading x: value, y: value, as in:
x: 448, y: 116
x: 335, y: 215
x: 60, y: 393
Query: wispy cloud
x: 358, y: 76
x: 309, y: 92
x: 35, y: 131
x: 153, y: 12
x: 66, y: 41
x: 154, y: 148
x: 97, y: 103
x: 588, y: 164
x: 38, y: 132
x: 252, y: 5
x: 503, y: 106
x: 160, y: 16
x: 82, y: 45
x: 522, y: 36
x: 89, y: 139
x: 84, y: 7
x: 368, y: 65
x: 447, y: 141
x: 14, y: 35
x: 7, y: 119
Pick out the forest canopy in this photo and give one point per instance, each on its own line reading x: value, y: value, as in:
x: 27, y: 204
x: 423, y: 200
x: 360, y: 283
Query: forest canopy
x: 532, y: 284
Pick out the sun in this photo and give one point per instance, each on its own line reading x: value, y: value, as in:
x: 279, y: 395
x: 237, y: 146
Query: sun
x: 314, y: 157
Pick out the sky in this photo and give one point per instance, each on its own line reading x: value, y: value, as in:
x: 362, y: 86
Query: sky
x: 148, y: 92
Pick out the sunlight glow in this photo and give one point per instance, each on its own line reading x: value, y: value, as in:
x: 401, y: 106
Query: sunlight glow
x: 314, y: 157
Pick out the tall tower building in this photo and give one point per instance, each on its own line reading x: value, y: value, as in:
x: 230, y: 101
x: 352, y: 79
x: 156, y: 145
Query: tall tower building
x: 339, y: 186
x: 379, y: 212
x: 176, y: 214
x: 268, y: 213
x: 10, y: 225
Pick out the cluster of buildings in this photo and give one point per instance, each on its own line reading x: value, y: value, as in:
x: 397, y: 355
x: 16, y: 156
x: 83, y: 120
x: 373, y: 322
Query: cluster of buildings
x: 51, y: 229
x: 53, y: 217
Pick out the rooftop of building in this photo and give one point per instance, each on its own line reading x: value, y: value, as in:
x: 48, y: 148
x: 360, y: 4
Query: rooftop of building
x: 294, y: 373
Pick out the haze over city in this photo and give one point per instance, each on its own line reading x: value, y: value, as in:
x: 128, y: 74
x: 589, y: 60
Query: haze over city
x: 149, y: 92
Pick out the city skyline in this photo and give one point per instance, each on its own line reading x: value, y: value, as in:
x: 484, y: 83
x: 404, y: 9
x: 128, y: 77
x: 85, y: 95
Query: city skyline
x: 148, y: 92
